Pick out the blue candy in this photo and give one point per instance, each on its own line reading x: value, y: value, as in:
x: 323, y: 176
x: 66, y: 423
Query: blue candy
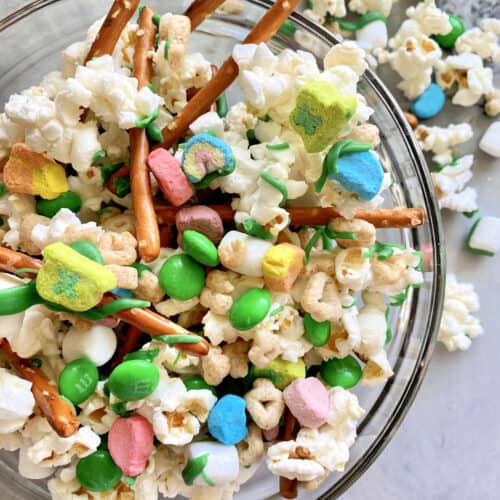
x: 429, y: 103
x: 205, y: 154
x: 360, y: 173
x: 227, y: 421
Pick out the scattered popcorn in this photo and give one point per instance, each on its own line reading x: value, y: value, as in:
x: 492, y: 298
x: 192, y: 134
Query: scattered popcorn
x: 489, y: 143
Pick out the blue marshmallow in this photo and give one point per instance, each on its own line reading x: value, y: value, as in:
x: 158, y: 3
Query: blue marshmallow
x: 227, y: 421
x: 429, y: 103
x: 360, y: 173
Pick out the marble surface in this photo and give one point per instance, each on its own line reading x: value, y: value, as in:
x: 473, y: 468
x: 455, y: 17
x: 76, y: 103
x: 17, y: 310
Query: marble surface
x: 448, y: 446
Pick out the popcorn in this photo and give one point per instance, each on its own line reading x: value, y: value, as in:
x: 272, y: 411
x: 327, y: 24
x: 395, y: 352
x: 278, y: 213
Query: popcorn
x: 440, y: 140
x: 377, y: 370
x: 458, y: 326
x: 430, y: 19
x: 364, y: 6
x: 322, y: 9
x: 16, y: 401
x: 482, y: 43
x: 372, y: 325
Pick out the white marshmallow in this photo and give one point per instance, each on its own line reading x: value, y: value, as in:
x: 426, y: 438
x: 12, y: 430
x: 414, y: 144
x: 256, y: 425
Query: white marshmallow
x: 208, y: 122
x: 29, y: 469
x: 97, y: 344
x: 223, y: 463
x: 242, y: 253
x: 372, y: 35
x: 486, y: 235
x: 16, y: 401
x: 490, y: 142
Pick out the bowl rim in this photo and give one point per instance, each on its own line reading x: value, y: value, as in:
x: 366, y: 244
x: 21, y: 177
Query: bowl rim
x: 422, y: 172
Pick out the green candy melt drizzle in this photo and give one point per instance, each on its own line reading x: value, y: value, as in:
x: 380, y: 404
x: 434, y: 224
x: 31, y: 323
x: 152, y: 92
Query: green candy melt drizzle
x: 154, y: 132
x: 221, y: 103
x: 384, y: 251
x: 194, y: 467
x: 253, y: 228
x: 278, y: 147
x: 121, y: 304
x: 166, y: 49
x: 277, y: 184
x: 178, y: 339
x: 3, y: 189
x: 367, y: 18
x: 144, y: 122
x: 277, y: 310
x: 98, y: 155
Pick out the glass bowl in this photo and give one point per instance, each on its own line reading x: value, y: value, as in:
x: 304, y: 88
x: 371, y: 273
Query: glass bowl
x: 32, y: 40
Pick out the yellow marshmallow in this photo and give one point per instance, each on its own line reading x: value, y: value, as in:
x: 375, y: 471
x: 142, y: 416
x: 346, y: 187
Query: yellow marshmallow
x: 281, y: 266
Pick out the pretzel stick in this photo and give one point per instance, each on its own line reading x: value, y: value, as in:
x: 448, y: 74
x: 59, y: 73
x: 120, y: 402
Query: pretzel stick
x: 129, y: 344
x: 118, y: 16
x: 148, y: 234
x: 144, y: 319
x: 262, y: 32
x: 288, y: 487
x: 58, y: 412
x: 319, y: 216
x: 199, y: 10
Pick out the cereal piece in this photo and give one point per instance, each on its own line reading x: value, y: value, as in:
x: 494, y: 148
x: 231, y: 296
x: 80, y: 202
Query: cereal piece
x: 227, y: 420
x: 367, y: 133
x: 72, y: 280
x: 308, y: 401
x: 173, y: 307
x: 271, y: 434
x: 119, y: 223
x: 149, y: 288
x: 429, y: 103
x: 251, y: 449
x: 237, y: 352
x: 321, y: 112
x: 352, y: 269
x: 200, y: 218
x: 281, y: 266
x: 118, y: 248
x: 364, y: 231
x: 171, y: 179
x: 215, y: 366
x: 265, y: 349
x: 360, y: 173
x: 210, y: 463
x: 242, y: 253
x: 206, y: 157
x: 28, y: 222
x: 321, y: 298
x: 126, y: 276
x: 490, y: 142
x: 34, y: 173
x: 484, y: 236
x: 97, y: 343
x: 492, y: 104
x: 265, y: 404
x: 130, y: 443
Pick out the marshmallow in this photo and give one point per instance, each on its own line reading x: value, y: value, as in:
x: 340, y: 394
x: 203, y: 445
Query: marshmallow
x: 484, y: 236
x: 227, y: 421
x: 490, y: 142
x: 98, y: 344
x: 210, y: 463
x: 372, y: 35
x: 281, y: 266
x: 429, y: 103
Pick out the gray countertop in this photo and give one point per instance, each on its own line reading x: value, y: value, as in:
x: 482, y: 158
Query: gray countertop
x: 448, y: 446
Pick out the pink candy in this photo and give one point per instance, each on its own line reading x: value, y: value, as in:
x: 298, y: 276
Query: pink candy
x: 308, y: 401
x: 200, y: 218
x: 271, y: 434
x: 171, y: 179
x: 130, y: 443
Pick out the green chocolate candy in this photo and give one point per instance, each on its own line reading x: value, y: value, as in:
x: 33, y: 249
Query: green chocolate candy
x: 88, y: 249
x: 181, y: 277
x: 250, y: 309
x: 317, y: 332
x: 196, y: 383
x: 49, y: 208
x: 344, y: 372
x: 134, y: 380
x: 457, y: 28
x: 200, y: 248
x: 98, y: 472
x: 78, y: 380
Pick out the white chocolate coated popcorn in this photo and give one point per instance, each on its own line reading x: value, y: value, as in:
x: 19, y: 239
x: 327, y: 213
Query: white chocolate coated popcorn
x: 16, y: 401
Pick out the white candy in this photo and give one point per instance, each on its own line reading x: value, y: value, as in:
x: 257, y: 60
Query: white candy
x: 486, y: 235
x: 97, y: 344
x: 208, y: 122
x: 29, y: 469
x: 242, y: 253
x: 11, y: 324
x: 223, y: 463
x: 16, y: 401
x: 372, y: 35
x: 490, y: 142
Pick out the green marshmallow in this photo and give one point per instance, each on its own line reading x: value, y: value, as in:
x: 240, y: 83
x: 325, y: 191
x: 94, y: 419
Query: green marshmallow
x: 321, y: 112
x: 78, y: 380
x: 98, y: 472
x: 133, y: 380
x: 281, y: 372
x: 181, y: 277
x: 250, y: 309
x: 344, y: 372
x: 317, y: 332
x: 200, y: 248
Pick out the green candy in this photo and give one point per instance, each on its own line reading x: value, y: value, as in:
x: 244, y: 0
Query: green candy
x: 141, y: 268
x: 88, y: 249
x: 250, y: 309
x: 457, y: 28
x: 287, y: 28
x: 181, y: 277
x: 317, y: 333
x: 78, y: 380
x: 134, y: 380
x: 198, y: 246
x: 98, y: 472
x: 343, y: 372
x: 196, y: 383
x: 49, y: 208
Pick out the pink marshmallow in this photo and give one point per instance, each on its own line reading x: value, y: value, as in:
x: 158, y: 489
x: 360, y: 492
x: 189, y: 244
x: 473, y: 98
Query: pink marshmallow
x: 200, y: 218
x: 426, y: 249
x: 308, y: 401
x: 130, y: 443
x: 271, y: 434
x: 171, y: 179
